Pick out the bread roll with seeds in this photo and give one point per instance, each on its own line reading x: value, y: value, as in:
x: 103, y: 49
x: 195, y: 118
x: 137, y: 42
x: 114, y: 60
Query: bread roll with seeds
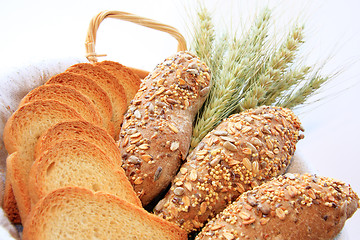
x: 157, y: 127
x: 292, y: 206
x: 242, y: 152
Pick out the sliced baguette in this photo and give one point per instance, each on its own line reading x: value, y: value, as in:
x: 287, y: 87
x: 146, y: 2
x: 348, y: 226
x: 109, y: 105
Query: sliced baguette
x: 110, y: 85
x: 78, y: 163
x: 66, y: 95
x: 82, y: 130
x: 20, y: 136
x: 92, y: 90
x: 129, y: 80
x: 79, y: 213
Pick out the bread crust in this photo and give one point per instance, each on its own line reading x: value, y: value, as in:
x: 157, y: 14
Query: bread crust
x: 110, y: 85
x: 20, y: 135
x: 68, y: 96
x: 78, y: 129
x: 92, y: 90
x: 129, y: 80
x: 157, y: 127
x: 291, y: 207
x: 242, y: 152
x: 86, y: 165
x: 101, y: 211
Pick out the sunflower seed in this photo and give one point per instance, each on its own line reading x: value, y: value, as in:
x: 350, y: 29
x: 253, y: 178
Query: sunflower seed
x: 229, y: 146
x: 157, y: 173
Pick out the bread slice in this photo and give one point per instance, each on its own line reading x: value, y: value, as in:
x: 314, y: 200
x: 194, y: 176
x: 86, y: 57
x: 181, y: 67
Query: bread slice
x: 20, y: 136
x: 110, y: 85
x: 92, y: 90
x: 79, y: 213
x: 66, y: 95
x: 129, y: 80
x: 79, y: 163
x: 9, y: 202
x: 82, y: 130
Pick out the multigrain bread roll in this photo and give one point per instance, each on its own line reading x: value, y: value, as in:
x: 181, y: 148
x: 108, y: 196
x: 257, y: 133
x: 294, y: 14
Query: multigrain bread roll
x: 157, y: 127
x: 242, y: 152
x: 91, y: 215
x: 92, y: 90
x: 291, y: 207
x: 79, y: 163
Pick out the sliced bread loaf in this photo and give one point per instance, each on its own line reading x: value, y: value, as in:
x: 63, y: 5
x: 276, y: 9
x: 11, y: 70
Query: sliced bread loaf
x: 9, y: 202
x: 20, y: 136
x: 66, y: 95
x: 82, y: 130
x: 129, y: 80
x: 92, y: 90
x: 110, y: 85
x: 78, y: 163
x: 79, y: 213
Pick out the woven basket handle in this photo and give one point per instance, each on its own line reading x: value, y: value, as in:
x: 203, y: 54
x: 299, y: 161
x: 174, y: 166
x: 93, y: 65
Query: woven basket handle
x: 96, y: 20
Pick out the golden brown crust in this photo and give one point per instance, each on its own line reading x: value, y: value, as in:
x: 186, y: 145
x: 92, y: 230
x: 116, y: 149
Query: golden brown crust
x: 129, y: 80
x: 155, y: 135
x: 78, y: 130
x: 110, y: 85
x: 292, y: 206
x: 9, y: 202
x: 244, y: 151
x: 68, y: 96
x: 92, y: 90
x: 49, y: 211
x: 21, y: 133
x: 80, y: 163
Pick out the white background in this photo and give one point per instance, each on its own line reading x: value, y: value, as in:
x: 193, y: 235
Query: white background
x: 35, y: 31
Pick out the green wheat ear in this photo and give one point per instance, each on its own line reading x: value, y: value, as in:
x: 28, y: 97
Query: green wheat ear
x: 250, y: 70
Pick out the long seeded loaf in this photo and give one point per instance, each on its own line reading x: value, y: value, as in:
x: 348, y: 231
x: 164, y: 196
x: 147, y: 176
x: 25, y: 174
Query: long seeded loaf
x: 92, y: 215
x: 82, y: 130
x: 20, y: 136
x: 242, y: 152
x: 68, y: 96
x: 110, y: 85
x: 129, y: 80
x: 157, y: 127
x: 92, y: 90
x: 78, y: 163
x: 290, y: 207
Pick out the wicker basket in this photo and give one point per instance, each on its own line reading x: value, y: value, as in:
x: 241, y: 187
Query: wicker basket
x: 95, y: 22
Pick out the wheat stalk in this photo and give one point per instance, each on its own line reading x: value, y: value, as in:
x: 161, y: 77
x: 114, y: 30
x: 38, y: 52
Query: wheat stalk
x: 250, y: 70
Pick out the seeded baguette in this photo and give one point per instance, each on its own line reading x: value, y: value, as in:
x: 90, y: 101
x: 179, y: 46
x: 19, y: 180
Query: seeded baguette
x: 242, y: 152
x: 292, y: 206
x: 157, y: 127
x: 92, y: 90
x: 91, y: 215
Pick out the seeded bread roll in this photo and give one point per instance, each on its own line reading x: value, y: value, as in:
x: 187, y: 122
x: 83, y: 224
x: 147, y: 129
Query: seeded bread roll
x: 242, y: 152
x: 157, y: 127
x: 292, y: 206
